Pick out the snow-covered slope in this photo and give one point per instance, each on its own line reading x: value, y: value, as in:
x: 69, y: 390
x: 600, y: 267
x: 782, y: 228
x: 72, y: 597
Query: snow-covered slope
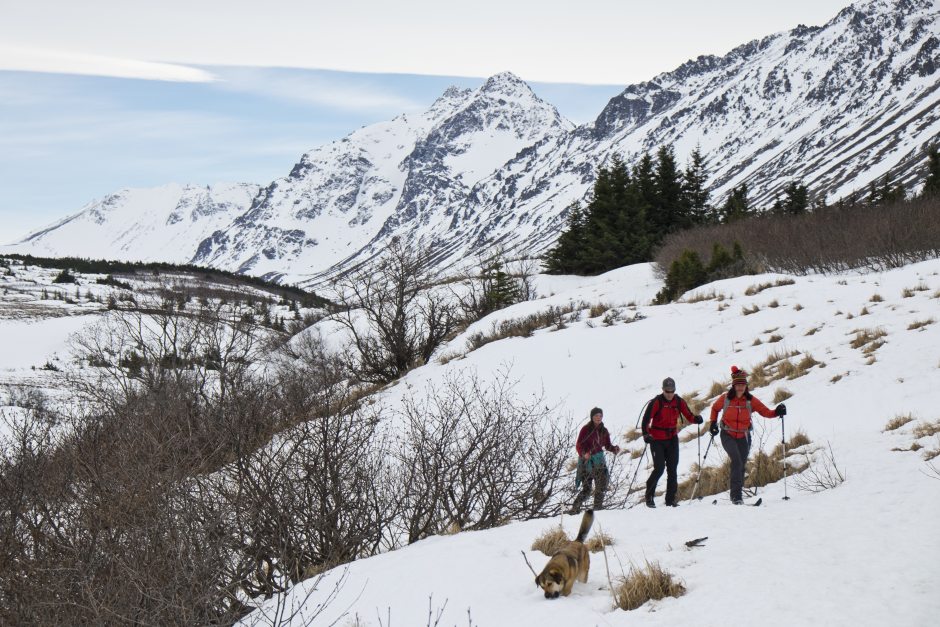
x: 156, y: 224
x: 835, y: 107
x: 862, y: 553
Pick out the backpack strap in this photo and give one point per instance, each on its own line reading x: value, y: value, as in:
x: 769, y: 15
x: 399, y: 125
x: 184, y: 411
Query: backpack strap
x: 747, y: 403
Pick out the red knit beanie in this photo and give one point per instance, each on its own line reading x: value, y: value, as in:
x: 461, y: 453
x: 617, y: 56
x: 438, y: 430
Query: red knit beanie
x: 738, y: 375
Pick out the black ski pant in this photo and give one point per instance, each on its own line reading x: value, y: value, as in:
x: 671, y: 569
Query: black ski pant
x: 737, y: 450
x: 665, y: 455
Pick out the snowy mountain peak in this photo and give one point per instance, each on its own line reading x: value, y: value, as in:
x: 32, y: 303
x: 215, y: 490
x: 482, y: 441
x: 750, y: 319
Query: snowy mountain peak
x: 834, y: 107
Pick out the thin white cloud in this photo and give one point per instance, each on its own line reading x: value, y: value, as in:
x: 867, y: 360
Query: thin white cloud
x: 30, y: 59
x: 318, y: 91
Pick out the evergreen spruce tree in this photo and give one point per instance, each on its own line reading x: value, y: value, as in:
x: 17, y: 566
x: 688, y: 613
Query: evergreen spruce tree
x: 565, y: 256
x: 669, y: 211
x: 932, y: 184
x: 796, y: 199
x: 693, y: 188
x: 736, y: 205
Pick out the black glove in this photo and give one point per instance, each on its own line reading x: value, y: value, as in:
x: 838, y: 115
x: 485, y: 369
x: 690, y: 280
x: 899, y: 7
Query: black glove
x: 781, y: 410
x: 647, y: 438
x: 713, y: 428
x: 697, y: 420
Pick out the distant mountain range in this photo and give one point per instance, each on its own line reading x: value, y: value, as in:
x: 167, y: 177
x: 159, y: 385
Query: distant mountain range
x: 835, y: 107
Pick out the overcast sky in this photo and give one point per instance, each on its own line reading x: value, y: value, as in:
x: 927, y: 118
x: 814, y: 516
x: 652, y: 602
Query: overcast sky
x: 102, y: 94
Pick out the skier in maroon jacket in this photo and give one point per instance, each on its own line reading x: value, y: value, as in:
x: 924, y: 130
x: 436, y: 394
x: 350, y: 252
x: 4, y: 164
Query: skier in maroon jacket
x: 592, y: 440
x: 660, y: 432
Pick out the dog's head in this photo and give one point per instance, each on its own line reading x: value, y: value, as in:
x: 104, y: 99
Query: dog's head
x: 551, y: 581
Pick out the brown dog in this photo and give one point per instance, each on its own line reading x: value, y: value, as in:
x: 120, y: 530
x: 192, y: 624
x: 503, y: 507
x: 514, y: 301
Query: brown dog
x: 570, y: 563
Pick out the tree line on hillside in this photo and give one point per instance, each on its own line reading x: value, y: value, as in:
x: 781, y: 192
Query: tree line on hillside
x: 112, y: 267
x: 633, y: 212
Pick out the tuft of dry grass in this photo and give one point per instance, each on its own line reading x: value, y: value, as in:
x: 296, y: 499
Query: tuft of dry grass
x: 781, y: 395
x: 747, y: 311
x: 812, y: 331
x: 773, y: 304
x: 632, y: 435
x: 920, y: 324
x: 756, y: 342
x: 864, y: 338
x: 598, y: 310
x: 798, y: 307
x: 597, y: 542
x: 648, y: 583
x: 714, y: 479
x: 760, y: 287
x: 876, y: 298
x: 551, y: 541
x: 864, y: 311
x: 773, y: 339
x: 907, y: 292
x: 836, y: 378
x: 923, y: 429
x: 897, y: 422
x: 698, y: 298
x: 716, y: 389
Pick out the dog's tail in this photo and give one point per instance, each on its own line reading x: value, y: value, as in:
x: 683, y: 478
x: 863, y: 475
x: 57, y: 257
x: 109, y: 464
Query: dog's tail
x: 586, y: 521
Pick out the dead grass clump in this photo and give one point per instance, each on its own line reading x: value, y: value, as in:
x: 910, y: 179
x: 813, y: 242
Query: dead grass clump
x: 756, y: 342
x: 897, y: 422
x: 524, y: 327
x: 649, y: 583
x: 715, y: 479
x: 760, y: 287
x: 836, y: 378
x: 876, y: 298
x: 781, y: 395
x: 919, y: 324
x: 773, y: 304
x: 866, y: 337
x: 773, y: 339
x: 907, y: 292
x: 698, y: 298
x: 812, y: 331
x: 716, y: 389
x: 923, y: 429
x: 864, y: 311
x: 551, y: 541
x: 632, y: 435
x: 598, y: 309
x: 798, y: 307
x: 928, y: 455
x: 690, y: 434
x: 598, y: 541
x: 747, y: 311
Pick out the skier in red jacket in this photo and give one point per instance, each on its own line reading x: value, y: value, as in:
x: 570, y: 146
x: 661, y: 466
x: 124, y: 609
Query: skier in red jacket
x: 735, y: 408
x: 660, y: 432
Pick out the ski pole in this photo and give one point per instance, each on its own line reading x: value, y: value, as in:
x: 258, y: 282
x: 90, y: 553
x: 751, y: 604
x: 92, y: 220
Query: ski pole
x: 642, y: 411
x: 699, y: 478
x: 637, y: 471
x: 783, y: 441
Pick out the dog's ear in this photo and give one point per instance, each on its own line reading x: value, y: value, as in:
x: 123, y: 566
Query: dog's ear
x: 538, y: 584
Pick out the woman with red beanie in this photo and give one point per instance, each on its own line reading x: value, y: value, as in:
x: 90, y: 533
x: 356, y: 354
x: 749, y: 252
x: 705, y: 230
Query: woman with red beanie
x: 735, y: 408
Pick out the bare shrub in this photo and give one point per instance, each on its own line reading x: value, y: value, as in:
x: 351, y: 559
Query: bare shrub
x: 648, y: 583
x: 472, y: 453
x: 598, y: 310
x: 898, y: 421
x: 405, y: 318
x: 820, y: 474
x: 833, y: 239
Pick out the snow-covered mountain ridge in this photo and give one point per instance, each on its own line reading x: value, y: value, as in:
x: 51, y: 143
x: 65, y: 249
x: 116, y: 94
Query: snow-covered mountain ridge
x: 835, y: 107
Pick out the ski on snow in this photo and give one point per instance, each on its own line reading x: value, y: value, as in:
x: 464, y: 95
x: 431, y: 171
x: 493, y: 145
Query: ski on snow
x: 754, y: 504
